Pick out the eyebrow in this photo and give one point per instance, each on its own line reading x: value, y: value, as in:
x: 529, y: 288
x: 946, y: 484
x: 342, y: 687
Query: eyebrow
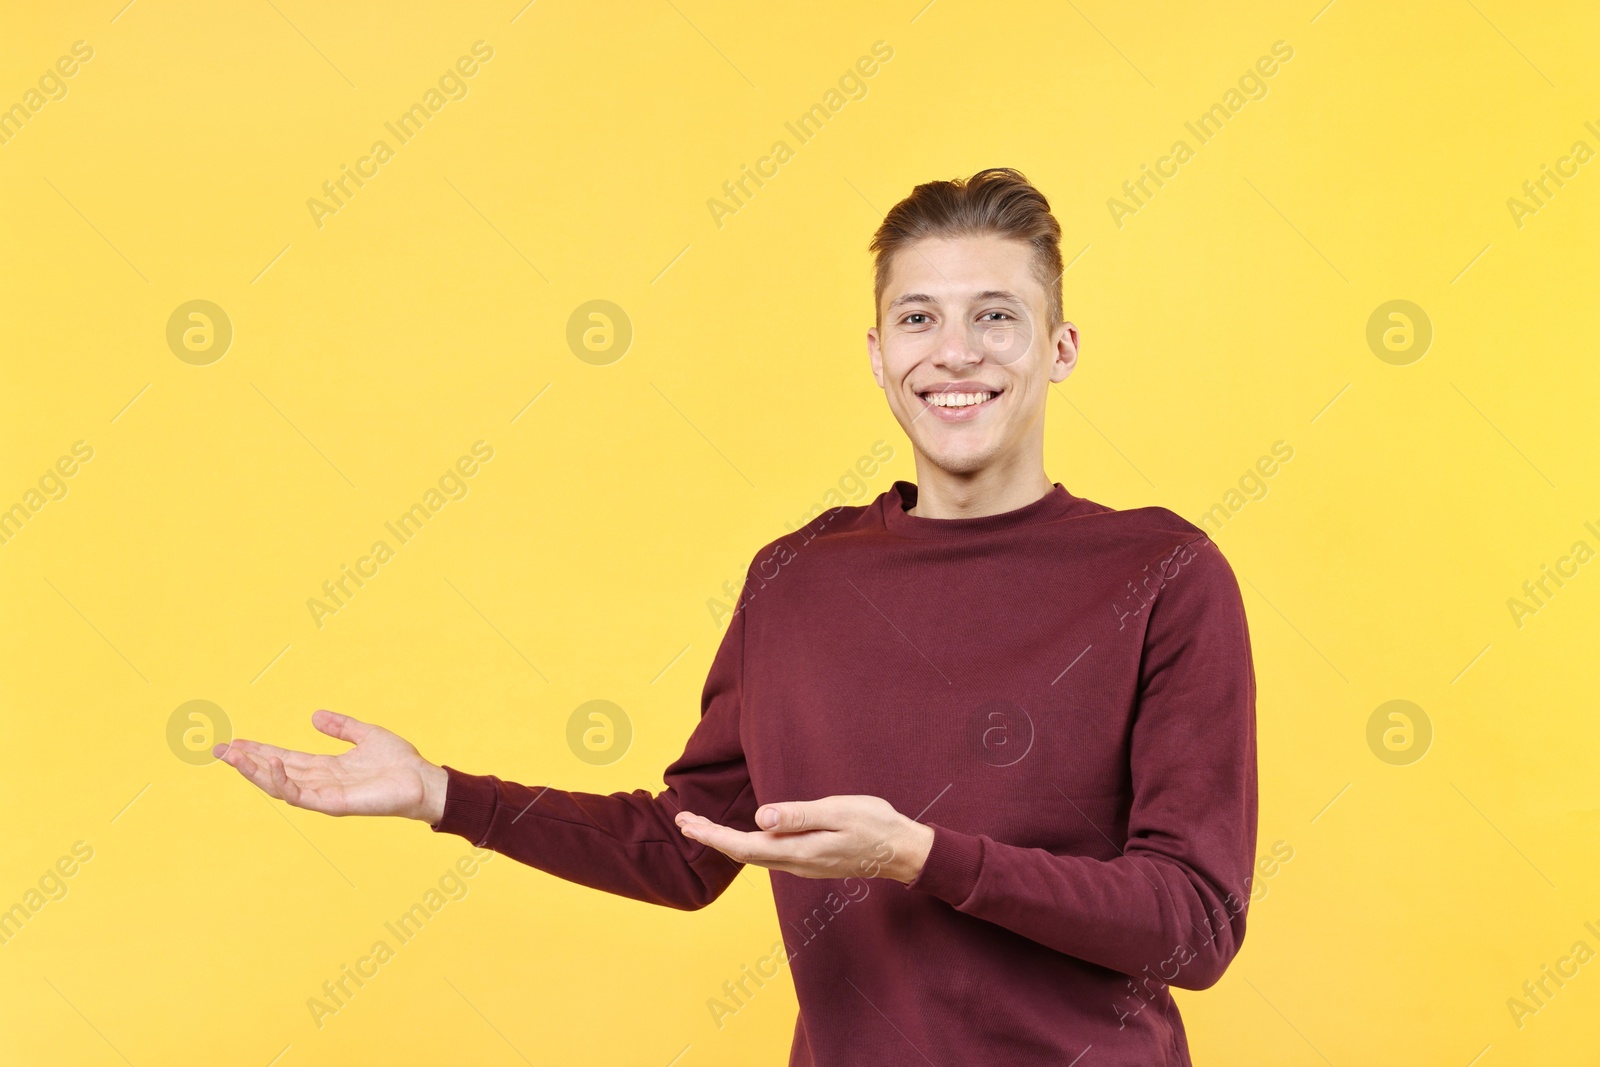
x: 987, y: 294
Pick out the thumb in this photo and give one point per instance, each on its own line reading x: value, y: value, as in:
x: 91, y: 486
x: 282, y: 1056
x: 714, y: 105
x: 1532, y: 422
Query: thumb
x: 789, y: 816
x: 344, y: 727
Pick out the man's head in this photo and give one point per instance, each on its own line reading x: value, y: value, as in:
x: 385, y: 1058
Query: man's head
x: 968, y: 294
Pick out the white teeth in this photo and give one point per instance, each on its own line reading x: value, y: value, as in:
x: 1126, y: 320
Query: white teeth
x: 957, y: 400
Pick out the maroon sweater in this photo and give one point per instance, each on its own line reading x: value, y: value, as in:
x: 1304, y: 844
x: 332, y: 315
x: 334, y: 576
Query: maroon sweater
x: 1063, y: 692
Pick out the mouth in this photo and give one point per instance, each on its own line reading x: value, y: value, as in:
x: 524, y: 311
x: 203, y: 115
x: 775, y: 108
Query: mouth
x: 955, y: 406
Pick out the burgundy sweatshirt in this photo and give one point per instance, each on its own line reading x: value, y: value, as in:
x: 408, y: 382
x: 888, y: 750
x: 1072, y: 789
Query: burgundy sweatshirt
x: 1063, y: 692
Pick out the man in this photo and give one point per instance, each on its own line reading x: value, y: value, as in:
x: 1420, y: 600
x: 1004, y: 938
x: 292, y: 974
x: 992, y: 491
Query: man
x: 994, y: 742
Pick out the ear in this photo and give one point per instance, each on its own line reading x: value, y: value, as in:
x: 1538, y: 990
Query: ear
x: 875, y: 353
x: 1065, y: 346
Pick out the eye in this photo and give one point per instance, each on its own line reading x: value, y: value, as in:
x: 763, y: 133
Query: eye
x: 913, y: 315
x: 1002, y: 314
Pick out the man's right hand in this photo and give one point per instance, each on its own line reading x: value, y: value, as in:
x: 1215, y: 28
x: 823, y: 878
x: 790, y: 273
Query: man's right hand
x: 383, y: 774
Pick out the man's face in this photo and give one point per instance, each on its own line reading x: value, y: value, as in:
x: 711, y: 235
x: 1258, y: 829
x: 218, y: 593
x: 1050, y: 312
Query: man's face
x: 964, y: 320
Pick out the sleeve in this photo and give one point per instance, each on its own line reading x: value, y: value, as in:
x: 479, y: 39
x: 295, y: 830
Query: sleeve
x: 1174, y: 902
x: 626, y: 842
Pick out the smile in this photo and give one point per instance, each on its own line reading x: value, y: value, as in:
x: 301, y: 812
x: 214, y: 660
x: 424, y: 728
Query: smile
x: 956, y: 406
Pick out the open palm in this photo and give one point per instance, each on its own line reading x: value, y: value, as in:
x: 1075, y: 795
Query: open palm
x: 383, y: 774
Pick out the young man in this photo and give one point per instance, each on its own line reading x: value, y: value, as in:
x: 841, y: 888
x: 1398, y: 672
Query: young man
x: 994, y: 742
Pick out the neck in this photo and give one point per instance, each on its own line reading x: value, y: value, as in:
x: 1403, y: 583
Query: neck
x: 943, y: 494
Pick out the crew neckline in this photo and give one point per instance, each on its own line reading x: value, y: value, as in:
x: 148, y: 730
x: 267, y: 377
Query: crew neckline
x: 1054, y: 504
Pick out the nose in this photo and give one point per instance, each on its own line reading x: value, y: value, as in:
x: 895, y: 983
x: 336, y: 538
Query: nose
x: 959, y: 348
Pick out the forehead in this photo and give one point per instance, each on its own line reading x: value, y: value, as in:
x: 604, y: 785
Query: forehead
x: 950, y: 269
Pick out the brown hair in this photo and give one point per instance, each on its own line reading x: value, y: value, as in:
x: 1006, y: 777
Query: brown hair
x: 997, y: 201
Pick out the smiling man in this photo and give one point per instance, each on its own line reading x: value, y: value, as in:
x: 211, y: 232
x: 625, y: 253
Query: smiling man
x: 995, y: 742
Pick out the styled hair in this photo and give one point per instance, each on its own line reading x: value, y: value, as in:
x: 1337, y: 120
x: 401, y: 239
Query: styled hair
x: 997, y: 201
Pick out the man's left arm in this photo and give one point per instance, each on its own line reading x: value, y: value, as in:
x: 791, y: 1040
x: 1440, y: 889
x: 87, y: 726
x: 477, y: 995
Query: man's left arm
x: 1175, y: 899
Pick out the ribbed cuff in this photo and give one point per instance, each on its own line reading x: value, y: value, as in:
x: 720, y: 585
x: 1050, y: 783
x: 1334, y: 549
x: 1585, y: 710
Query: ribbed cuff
x: 469, y: 803
x: 951, y: 870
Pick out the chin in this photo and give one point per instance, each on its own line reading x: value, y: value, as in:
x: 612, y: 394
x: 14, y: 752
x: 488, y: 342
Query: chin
x: 960, y: 460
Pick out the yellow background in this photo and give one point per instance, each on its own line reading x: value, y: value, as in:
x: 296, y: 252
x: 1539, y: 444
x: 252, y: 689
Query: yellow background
x: 369, y: 353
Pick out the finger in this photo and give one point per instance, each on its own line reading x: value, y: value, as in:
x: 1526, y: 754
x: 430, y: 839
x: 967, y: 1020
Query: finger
x: 285, y: 786
x: 760, y: 848
x: 795, y: 815
x: 291, y: 758
x: 253, y: 769
x: 344, y: 727
x: 268, y: 774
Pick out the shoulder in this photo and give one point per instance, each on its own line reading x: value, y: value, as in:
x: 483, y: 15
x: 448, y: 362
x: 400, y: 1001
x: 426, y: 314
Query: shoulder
x: 800, y: 550
x: 1150, y: 520
x: 1156, y: 556
x: 1183, y: 589
x: 1129, y: 534
x: 827, y: 525
x: 1162, y: 533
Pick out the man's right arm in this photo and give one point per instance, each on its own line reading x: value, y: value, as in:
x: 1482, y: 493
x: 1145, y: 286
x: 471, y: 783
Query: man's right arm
x: 626, y: 842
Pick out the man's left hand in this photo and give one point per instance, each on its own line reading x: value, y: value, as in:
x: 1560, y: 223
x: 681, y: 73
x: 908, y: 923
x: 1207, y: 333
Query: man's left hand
x: 834, y: 837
